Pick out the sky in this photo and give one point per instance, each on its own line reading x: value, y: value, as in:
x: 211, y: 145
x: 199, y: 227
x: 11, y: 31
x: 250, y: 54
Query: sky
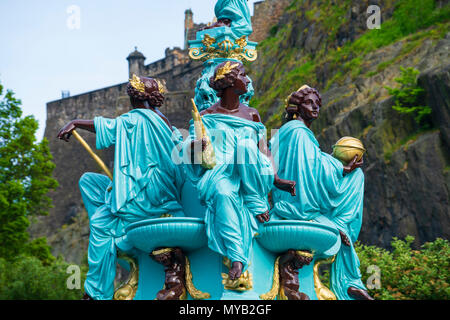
x: 48, y: 46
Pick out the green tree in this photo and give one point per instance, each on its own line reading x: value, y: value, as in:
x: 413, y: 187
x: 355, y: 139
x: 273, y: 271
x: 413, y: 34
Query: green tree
x: 25, y: 179
x: 409, y: 95
x: 27, y: 278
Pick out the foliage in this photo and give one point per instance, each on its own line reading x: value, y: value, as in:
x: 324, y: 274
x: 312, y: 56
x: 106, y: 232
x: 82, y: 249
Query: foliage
x: 407, y: 273
x: 409, y: 95
x: 25, y: 179
x: 27, y: 278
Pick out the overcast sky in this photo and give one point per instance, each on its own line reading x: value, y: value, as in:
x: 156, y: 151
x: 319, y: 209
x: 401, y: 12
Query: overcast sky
x: 44, y: 50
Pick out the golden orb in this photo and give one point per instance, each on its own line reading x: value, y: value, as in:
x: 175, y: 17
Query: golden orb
x: 347, y: 148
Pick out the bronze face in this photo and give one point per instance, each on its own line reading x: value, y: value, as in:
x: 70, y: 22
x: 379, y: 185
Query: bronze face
x: 310, y: 107
x: 242, y: 81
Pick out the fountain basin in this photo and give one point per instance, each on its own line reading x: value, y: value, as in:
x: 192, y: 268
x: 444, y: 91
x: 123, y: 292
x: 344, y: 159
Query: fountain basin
x: 280, y: 236
x: 186, y: 233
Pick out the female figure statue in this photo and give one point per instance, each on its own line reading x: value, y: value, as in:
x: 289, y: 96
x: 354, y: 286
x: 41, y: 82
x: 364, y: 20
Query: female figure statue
x: 234, y: 14
x: 235, y: 190
x: 331, y: 193
x: 146, y: 183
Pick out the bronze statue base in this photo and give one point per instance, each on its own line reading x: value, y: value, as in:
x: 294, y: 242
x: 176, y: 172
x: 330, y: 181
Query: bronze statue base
x: 174, y: 263
x: 290, y: 263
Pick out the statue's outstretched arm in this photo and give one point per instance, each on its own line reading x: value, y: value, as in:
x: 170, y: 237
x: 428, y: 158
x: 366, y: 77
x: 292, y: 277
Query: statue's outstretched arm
x: 66, y: 131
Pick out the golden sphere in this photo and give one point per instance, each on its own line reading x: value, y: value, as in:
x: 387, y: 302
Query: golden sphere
x: 347, y: 148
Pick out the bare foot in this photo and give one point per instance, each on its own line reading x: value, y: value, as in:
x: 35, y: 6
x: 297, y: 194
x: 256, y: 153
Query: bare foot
x: 236, y: 270
x: 359, y: 294
x: 86, y: 297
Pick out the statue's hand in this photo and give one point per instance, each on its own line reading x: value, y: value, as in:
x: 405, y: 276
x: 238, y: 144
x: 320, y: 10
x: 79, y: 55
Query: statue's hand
x: 265, y: 217
x: 66, y: 131
x: 285, y: 185
x: 354, y: 164
x: 345, y: 240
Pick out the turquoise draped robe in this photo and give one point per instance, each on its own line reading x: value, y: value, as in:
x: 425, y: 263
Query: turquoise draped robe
x: 324, y: 194
x: 235, y: 191
x: 239, y: 14
x: 146, y: 184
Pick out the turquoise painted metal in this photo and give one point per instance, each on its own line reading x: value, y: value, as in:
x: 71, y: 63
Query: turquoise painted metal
x: 215, y: 46
x: 325, y: 196
x: 309, y: 222
x: 207, y: 267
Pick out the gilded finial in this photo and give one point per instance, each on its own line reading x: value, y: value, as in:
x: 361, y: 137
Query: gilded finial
x: 226, y: 69
x: 137, y: 83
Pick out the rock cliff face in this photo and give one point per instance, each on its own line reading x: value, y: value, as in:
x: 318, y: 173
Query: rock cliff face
x: 327, y: 45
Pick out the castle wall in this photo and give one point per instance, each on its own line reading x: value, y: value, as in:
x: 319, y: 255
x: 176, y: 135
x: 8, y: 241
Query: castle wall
x: 265, y: 15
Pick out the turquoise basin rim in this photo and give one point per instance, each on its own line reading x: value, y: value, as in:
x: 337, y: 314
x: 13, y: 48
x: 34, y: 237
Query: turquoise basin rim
x: 281, y: 235
x: 149, y: 222
x: 299, y: 223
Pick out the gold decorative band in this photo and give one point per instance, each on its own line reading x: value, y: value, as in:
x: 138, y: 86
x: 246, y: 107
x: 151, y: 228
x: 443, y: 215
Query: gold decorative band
x: 304, y: 254
x: 161, y: 251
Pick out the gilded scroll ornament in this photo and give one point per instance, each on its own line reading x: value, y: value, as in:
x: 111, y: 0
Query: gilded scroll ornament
x: 322, y: 292
x: 228, y: 49
x: 127, y: 291
x: 275, y: 290
x: 193, y: 291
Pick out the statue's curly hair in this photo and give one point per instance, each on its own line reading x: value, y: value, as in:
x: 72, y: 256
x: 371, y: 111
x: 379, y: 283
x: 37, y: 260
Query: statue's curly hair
x: 221, y: 84
x: 298, y: 97
x: 151, y: 93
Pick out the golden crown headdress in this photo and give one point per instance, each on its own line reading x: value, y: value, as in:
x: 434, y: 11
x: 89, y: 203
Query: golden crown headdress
x: 137, y: 83
x: 226, y: 69
x: 161, y: 86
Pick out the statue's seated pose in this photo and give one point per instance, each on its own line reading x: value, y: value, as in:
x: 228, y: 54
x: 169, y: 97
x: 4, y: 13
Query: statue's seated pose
x: 234, y: 14
x: 235, y: 190
x: 146, y: 182
x: 329, y: 192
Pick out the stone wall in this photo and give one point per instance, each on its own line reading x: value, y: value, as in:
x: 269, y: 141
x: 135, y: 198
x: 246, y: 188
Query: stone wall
x: 173, y: 57
x: 265, y: 15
